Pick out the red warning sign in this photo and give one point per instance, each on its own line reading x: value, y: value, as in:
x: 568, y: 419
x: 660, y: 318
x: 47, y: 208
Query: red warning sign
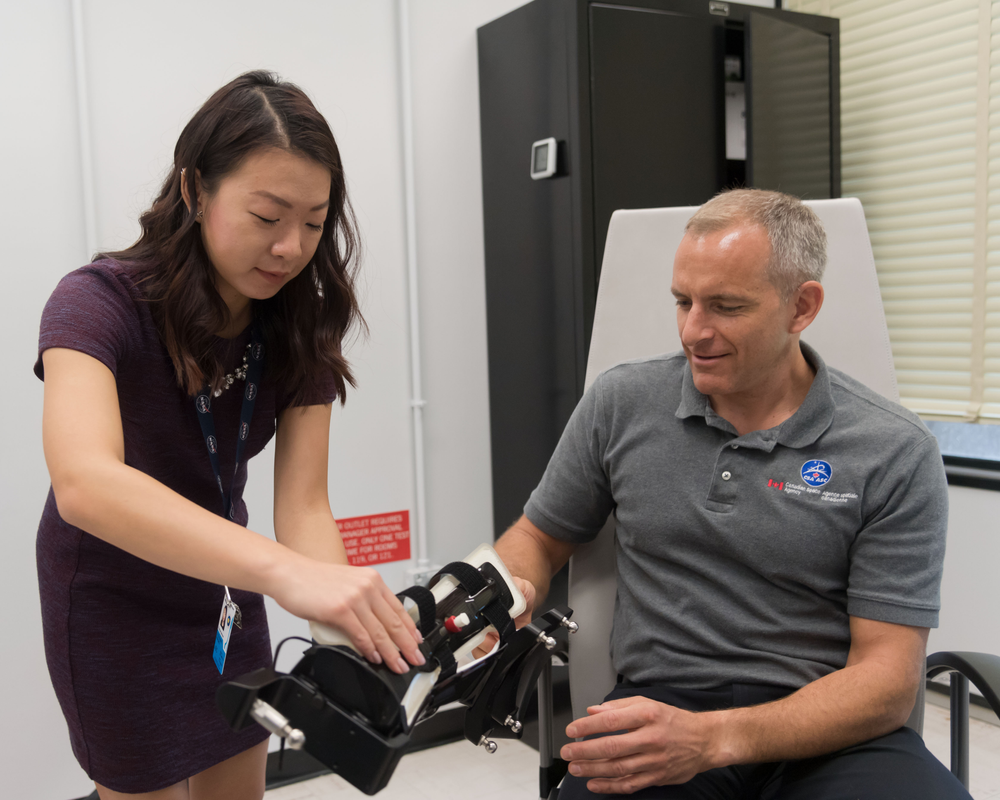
x: 376, y: 539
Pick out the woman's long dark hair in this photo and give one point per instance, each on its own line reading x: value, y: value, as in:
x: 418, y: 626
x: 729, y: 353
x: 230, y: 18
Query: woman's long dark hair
x: 305, y: 323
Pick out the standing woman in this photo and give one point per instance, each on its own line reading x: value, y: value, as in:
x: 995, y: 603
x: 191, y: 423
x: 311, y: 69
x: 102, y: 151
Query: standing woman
x: 167, y: 366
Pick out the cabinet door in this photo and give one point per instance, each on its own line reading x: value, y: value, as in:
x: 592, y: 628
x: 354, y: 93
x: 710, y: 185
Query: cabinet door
x: 657, y: 111
x: 788, y: 108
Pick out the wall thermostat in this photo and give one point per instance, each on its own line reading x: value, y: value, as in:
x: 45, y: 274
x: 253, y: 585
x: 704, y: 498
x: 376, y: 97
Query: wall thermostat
x: 543, y: 158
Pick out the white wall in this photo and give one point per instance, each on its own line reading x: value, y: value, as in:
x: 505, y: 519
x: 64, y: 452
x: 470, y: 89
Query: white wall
x: 452, y: 280
x: 42, y: 226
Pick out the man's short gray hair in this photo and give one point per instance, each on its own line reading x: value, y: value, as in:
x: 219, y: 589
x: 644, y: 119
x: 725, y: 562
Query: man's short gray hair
x: 798, y: 241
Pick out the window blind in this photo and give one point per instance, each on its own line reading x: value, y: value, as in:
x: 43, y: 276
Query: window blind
x: 920, y: 88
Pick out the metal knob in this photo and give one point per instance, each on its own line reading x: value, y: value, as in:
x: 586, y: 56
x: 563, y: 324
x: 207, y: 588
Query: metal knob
x: 491, y: 746
x: 277, y: 723
x: 572, y: 627
x: 548, y: 641
x: 513, y: 724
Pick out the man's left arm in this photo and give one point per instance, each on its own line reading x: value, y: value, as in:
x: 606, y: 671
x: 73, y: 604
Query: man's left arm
x: 871, y: 696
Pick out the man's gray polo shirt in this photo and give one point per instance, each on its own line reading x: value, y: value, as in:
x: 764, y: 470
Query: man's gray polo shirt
x: 740, y: 558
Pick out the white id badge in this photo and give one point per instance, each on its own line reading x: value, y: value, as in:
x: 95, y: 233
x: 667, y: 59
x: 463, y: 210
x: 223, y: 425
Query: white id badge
x: 223, y: 632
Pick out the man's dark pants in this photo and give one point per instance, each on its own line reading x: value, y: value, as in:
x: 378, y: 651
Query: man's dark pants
x: 897, y: 765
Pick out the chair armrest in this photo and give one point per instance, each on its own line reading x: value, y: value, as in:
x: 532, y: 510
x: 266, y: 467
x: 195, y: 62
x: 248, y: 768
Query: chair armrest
x: 982, y: 670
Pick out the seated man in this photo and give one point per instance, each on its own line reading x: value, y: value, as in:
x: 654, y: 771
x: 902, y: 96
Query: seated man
x: 780, y: 536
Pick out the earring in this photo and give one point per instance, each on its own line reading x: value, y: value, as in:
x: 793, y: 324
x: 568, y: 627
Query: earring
x: 200, y: 214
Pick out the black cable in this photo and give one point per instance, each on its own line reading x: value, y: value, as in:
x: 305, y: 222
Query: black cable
x: 282, y: 642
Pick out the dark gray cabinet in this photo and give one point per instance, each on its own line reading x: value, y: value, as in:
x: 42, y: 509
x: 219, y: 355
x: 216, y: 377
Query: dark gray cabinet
x: 635, y: 93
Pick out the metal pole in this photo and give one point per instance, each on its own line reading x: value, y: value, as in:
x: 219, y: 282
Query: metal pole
x: 83, y: 123
x: 960, y: 727
x: 417, y: 401
x: 544, y: 727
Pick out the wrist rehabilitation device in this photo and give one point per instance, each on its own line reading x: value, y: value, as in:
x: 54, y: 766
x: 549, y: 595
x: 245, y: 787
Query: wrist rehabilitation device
x: 356, y: 717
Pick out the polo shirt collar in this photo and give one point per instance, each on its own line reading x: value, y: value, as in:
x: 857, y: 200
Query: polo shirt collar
x: 803, y: 428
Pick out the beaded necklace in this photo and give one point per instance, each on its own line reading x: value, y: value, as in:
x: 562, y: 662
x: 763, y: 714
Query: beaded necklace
x: 240, y: 373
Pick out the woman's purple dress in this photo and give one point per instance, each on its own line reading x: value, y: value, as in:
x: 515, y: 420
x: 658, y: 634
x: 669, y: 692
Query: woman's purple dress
x: 129, y: 644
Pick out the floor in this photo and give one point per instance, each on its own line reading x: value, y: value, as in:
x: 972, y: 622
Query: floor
x: 450, y: 771
x: 461, y: 770
x: 984, y: 750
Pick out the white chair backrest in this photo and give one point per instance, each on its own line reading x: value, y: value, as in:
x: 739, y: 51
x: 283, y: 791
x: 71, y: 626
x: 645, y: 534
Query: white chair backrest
x: 635, y: 317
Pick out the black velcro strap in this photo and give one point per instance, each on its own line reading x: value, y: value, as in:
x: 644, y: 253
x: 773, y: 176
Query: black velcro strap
x: 503, y: 589
x: 425, y: 606
x: 498, y: 617
x: 466, y: 574
x: 473, y: 581
x: 446, y: 659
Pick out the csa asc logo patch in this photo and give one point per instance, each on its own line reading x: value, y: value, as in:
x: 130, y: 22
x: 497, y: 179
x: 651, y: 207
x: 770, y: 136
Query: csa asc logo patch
x: 817, y: 473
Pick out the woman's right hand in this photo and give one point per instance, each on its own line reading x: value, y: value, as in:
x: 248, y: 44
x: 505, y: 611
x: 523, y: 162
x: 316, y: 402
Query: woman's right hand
x: 354, y: 600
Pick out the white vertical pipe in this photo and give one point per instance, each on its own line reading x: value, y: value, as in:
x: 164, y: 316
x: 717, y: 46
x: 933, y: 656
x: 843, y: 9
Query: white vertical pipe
x: 83, y: 123
x: 417, y: 401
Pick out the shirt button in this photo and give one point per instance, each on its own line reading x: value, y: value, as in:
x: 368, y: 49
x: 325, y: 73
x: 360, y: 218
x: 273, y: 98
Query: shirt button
x: 726, y: 475
x: 734, y: 446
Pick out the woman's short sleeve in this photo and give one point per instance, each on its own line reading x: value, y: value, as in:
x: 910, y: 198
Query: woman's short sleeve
x: 317, y: 393
x: 92, y: 310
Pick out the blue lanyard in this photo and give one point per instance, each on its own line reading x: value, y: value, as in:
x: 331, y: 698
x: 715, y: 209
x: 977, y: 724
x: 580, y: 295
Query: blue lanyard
x: 203, y: 403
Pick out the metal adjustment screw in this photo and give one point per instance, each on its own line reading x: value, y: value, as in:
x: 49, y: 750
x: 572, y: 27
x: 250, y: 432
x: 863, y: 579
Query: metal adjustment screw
x: 491, y: 746
x: 572, y: 627
x: 548, y: 641
x: 513, y: 724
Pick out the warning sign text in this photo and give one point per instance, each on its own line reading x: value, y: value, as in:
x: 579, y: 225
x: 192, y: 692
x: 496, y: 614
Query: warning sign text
x: 376, y: 539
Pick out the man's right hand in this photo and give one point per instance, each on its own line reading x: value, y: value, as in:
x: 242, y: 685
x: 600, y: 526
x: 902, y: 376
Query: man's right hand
x: 528, y: 590
x: 533, y: 557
